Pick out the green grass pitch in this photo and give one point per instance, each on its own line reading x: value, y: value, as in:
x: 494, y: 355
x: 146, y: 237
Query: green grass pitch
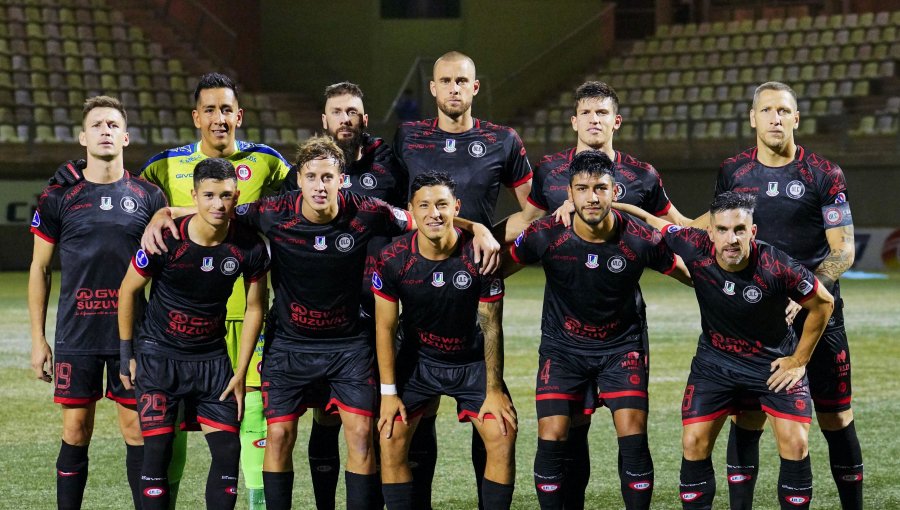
x: 30, y: 422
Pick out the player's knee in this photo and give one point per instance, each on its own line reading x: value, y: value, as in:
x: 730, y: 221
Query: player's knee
x: 696, y: 446
x: 394, y: 452
x: 358, y: 433
x: 77, y: 432
x: 224, y: 447
x: 553, y: 428
x: 500, y: 446
x: 835, y: 421
x: 280, y: 439
x: 793, y: 447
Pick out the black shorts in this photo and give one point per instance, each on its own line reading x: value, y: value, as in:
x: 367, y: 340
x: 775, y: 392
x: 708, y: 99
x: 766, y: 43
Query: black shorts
x: 829, y: 368
x: 293, y: 382
x: 714, y: 391
x: 162, y: 383
x: 419, y: 383
x: 78, y: 379
x: 566, y: 383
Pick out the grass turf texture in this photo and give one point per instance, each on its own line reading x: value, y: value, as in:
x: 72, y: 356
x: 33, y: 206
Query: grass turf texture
x: 30, y: 422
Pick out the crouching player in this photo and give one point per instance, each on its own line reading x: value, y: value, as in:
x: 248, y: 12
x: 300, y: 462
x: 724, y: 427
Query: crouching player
x: 181, y: 351
x: 453, y: 343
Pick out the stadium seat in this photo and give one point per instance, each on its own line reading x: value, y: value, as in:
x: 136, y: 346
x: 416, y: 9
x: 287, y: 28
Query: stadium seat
x: 886, y: 125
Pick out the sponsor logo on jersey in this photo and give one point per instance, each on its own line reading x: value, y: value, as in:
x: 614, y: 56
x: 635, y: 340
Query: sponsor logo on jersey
x: 36, y: 220
x: 449, y: 145
x: 399, y: 214
x: 496, y: 287
x: 752, y: 294
x: 345, y: 181
x: 462, y: 280
x: 242, y: 209
x: 616, y: 264
x: 207, y: 265
x: 437, y: 279
x: 804, y: 287
x: 320, y: 243
x: 592, y: 261
x: 229, y: 266
x: 634, y: 379
x: 728, y: 288
x: 690, y: 496
x: 833, y: 216
x: 344, y: 242
x: 518, y: 240
x: 376, y: 281
x: 128, y: 204
x: 841, y: 357
x: 154, y: 492
x: 477, y: 149
x: 738, y: 478
x: 795, y: 189
x: 620, y: 190
x: 141, y: 259
x: 106, y: 203
x: 640, y: 486
x: 243, y: 172
x: 368, y: 181
x: 800, y: 404
x: 797, y: 500
x: 671, y: 229
x: 773, y: 189
x: 840, y: 198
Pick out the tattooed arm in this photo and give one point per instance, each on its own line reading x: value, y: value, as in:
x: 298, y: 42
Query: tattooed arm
x: 843, y: 251
x: 497, y: 402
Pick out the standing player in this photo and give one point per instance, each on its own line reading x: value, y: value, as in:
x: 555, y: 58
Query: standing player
x: 593, y: 328
x: 181, y: 351
x: 95, y: 223
x: 803, y: 210
x: 479, y: 156
x: 445, y: 352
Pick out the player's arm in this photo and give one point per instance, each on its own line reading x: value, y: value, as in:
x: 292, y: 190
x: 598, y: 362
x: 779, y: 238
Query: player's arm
x: 39, y: 283
x: 674, y: 216
x: 387, y: 317
x: 787, y: 371
x: 152, y: 239
x: 132, y: 285
x: 521, y: 193
x: 680, y: 272
x: 843, y: 251
x: 253, y: 321
x: 659, y: 222
x: 512, y: 226
x: 485, y: 245
x: 496, y: 401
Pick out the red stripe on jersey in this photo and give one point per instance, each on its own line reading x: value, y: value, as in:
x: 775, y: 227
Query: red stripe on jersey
x: 512, y: 253
x: 217, y: 425
x: 664, y: 210
x: 140, y: 271
x: 382, y: 295
x: 157, y: 432
x: 707, y: 417
x: 521, y: 181
x: 181, y: 230
x: 409, y: 219
x: 558, y: 396
x: 490, y: 299
x: 532, y: 202
x: 258, y: 277
x: 620, y: 394
x: 42, y: 235
x: 344, y: 407
x: 785, y: 416
x: 811, y: 294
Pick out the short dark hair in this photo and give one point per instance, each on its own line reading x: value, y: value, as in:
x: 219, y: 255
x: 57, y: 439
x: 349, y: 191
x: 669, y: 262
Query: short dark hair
x: 592, y: 163
x: 319, y: 147
x: 341, y: 88
x: 596, y: 89
x: 733, y: 200
x: 217, y: 169
x: 432, y: 178
x: 103, y: 102
x: 215, y: 81
x: 773, y: 85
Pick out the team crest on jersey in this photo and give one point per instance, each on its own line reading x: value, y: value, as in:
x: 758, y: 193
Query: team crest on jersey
x: 616, y: 264
x: 377, y: 284
x: 728, y: 288
x: 229, y: 266
x: 752, y: 294
x: 477, y: 149
x: 345, y: 181
x: 620, y: 190
x: 804, y: 287
x: 449, y: 145
x: 795, y: 189
x: 437, y: 279
x: 106, y: 203
x: 368, y: 181
x: 773, y: 189
x: 243, y: 172
x: 592, y: 261
x: 344, y: 242
x: 36, y: 220
x: 462, y: 280
x: 242, y: 209
x: 320, y: 243
x: 207, y: 265
x: 128, y: 204
x: 141, y: 259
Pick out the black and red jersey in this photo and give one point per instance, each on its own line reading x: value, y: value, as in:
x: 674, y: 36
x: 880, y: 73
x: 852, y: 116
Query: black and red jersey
x: 185, y: 318
x: 637, y: 183
x: 589, y: 297
x: 97, y: 228
x: 742, y: 313
x: 479, y: 160
x: 796, y: 203
x: 316, y: 268
x: 439, y: 298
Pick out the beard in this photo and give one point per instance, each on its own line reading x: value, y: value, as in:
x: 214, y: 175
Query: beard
x: 454, y: 112
x: 593, y: 221
x: 350, y: 146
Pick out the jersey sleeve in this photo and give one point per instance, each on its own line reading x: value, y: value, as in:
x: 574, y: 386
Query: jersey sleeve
x: 396, y: 221
x: 157, y: 199
x: 253, y: 214
x: 517, y: 170
x: 258, y: 262
x: 46, y: 222
x: 800, y: 282
x: 385, y: 278
x: 536, y: 197
x: 148, y: 265
x: 832, y: 188
x: 531, y: 244
x: 401, y: 178
x: 279, y: 169
x: 492, y: 289
x: 657, y: 199
x: 660, y: 256
x: 155, y: 171
x: 688, y: 242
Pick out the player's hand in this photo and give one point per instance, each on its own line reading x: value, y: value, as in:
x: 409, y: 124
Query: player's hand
x: 128, y: 378
x: 487, y: 249
x: 42, y: 361
x: 564, y: 213
x: 152, y: 240
x: 498, y: 404
x: 69, y: 173
x: 236, y: 386
x: 787, y: 372
x: 790, y: 313
x: 391, y: 406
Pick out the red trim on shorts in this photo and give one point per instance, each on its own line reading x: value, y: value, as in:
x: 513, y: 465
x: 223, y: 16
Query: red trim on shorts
x: 42, y: 235
x: 286, y: 417
x: 158, y: 432
x: 664, y: 210
x: 490, y: 299
x: 812, y: 292
x: 409, y: 416
x: 793, y: 417
x: 466, y: 415
x: 674, y: 263
x: 189, y: 426
x: 621, y: 394
x: 830, y: 402
x: 120, y: 400
x: 217, y: 425
x: 708, y: 417
x: 558, y: 396
x: 539, y: 206
x: 335, y: 402
x: 140, y: 271
x: 76, y: 401
x: 521, y: 181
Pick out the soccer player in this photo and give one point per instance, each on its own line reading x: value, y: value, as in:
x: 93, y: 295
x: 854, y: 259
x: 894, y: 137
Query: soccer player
x: 804, y: 211
x: 95, y: 224
x: 593, y: 329
x: 181, y: 350
x: 444, y: 351
x: 479, y: 156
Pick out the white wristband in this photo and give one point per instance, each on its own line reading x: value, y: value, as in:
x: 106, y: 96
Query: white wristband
x: 388, y: 389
